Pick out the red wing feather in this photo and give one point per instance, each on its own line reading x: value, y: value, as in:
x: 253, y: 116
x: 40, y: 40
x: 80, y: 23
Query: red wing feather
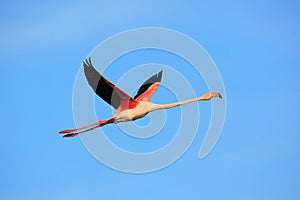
x: 149, y: 87
x: 146, y: 96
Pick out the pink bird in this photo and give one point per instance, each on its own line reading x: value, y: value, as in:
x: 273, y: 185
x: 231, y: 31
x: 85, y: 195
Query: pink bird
x: 127, y: 108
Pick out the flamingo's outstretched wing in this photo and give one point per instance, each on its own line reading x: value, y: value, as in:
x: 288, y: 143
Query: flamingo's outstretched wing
x: 110, y: 93
x: 148, y: 88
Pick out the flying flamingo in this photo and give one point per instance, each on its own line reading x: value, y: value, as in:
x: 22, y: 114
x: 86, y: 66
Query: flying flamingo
x: 127, y: 108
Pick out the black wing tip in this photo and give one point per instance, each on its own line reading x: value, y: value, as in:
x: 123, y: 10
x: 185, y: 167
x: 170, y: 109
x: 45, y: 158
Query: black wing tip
x: 153, y: 79
x: 88, y: 66
x: 87, y: 62
x: 159, y: 75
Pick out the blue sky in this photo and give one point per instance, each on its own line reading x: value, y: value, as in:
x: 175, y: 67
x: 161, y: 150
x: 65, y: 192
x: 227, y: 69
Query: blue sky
x: 255, y: 46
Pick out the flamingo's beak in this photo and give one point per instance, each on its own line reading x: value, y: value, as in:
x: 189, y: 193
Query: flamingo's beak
x: 219, y: 95
x: 216, y: 94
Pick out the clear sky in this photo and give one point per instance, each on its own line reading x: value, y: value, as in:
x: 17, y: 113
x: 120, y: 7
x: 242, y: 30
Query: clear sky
x: 256, y: 46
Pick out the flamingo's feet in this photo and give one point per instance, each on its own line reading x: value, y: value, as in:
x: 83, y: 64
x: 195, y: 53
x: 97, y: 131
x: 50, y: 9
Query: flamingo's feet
x: 67, y: 131
x: 70, y: 135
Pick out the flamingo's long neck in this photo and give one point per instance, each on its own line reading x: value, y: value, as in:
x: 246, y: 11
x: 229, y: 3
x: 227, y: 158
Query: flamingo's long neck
x: 204, y: 97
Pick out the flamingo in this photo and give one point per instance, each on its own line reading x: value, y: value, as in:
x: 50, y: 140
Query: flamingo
x: 127, y: 108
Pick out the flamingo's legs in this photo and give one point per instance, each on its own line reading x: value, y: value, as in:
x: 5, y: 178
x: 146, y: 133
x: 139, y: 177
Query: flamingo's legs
x: 84, y: 127
x: 81, y: 132
x: 74, y: 132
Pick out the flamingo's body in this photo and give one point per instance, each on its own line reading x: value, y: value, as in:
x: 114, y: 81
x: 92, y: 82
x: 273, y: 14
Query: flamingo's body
x: 127, y: 108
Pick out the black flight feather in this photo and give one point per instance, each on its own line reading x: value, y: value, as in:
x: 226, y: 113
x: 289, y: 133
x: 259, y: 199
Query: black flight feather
x: 153, y: 79
x: 110, y: 93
